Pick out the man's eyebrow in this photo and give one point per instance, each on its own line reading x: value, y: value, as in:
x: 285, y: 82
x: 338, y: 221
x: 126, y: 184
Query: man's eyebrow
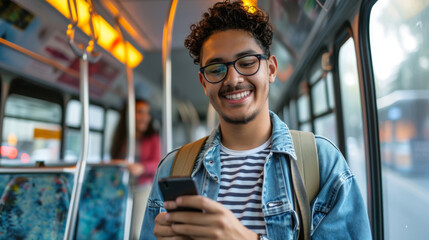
x: 244, y: 53
x: 240, y: 54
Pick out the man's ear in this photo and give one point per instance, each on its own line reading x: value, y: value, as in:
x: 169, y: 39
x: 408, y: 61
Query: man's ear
x: 272, y: 68
x: 202, y: 81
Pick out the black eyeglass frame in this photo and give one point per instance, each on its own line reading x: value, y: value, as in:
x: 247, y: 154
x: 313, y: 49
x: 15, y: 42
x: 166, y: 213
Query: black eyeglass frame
x: 259, y: 56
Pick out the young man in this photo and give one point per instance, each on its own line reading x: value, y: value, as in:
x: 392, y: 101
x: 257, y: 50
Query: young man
x: 243, y: 171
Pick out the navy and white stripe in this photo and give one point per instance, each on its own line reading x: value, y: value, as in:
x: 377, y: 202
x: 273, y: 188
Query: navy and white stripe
x: 241, y: 184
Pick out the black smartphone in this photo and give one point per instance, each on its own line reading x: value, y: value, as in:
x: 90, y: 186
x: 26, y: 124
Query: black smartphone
x: 173, y: 187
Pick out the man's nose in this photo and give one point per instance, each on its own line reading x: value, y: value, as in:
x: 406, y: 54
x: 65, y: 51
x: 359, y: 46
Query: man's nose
x: 233, y: 77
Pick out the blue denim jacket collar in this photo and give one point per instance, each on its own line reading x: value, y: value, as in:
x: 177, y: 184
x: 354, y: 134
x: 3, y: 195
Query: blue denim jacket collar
x: 281, y: 143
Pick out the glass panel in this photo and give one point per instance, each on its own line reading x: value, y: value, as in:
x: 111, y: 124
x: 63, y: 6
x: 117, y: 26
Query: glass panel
x: 32, y: 108
x: 285, y: 114
x: 331, y: 94
x: 73, y: 116
x: 293, y: 124
x: 316, y: 71
x: 326, y: 126
x: 94, y: 151
x: 319, y: 98
x: 96, y: 117
x: 399, y: 34
x: 73, y: 113
x: 73, y: 146
x: 352, y: 114
x: 112, y: 120
x: 28, y: 141
x: 303, y: 108
x: 306, y: 127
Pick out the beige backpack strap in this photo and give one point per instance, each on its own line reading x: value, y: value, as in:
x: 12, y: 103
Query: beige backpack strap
x: 307, y: 161
x: 185, y: 158
x: 305, y: 178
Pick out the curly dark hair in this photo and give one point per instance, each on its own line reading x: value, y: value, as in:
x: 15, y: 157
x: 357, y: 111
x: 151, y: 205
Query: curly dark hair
x: 225, y: 16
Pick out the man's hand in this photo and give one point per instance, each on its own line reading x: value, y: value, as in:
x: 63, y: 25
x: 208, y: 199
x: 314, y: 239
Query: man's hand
x: 216, y: 221
x: 163, y: 230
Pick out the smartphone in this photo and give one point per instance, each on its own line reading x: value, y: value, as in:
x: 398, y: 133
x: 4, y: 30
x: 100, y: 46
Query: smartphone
x: 174, y: 187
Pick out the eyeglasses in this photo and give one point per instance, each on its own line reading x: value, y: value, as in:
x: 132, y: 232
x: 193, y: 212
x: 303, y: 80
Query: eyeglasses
x: 247, y: 66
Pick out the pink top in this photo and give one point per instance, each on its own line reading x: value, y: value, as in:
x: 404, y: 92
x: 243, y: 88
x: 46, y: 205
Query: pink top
x: 148, y: 153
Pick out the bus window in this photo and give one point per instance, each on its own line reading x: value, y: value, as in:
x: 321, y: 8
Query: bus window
x: 303, y: 109
x: 73, y: 115
x: 319, y: 98
x: 31, y: 131
x: 330, y: 82
x: 352, y: 113
x: 292, y: 123
x: 112, y: 119
x: 326, y: 126
x: 304, y: 113
x: 73, y: 137
x: 305, y: 127
x: 399, y: 34
x: 325, y: 123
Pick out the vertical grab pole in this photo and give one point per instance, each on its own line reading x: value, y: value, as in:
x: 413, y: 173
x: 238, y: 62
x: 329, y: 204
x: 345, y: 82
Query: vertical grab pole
x: 166, y: 67
x: 131, y: 135
x: 86, y: 54
x: 131, y: 144
x: 81, y: 164
x: 131, y: 115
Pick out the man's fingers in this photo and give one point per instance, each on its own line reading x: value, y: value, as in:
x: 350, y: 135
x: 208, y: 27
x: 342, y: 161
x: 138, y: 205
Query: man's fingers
x: 160, y: 219
x: 200, y: 202
x: 193, y: 218
x: 163, y: 231
x: 170, y: 205
x: 195, y: 231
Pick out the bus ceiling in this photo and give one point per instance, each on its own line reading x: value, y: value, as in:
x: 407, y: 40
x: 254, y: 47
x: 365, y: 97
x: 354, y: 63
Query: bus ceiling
x: 299, y: 28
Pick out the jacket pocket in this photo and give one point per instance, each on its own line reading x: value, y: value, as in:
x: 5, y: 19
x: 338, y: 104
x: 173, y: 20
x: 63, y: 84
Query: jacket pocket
x: 280, y: 220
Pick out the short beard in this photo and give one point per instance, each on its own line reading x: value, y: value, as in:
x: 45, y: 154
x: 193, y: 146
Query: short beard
x: 240, y: 120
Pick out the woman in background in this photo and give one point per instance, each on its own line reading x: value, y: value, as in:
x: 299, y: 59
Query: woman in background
x: 147, y: 157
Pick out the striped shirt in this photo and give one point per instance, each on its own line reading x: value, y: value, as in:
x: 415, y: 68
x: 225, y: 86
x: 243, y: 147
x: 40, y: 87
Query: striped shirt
x: 242, y: 174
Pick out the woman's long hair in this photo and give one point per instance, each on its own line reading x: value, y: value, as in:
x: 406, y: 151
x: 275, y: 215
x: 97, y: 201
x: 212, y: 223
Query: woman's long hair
x: 120, y: 137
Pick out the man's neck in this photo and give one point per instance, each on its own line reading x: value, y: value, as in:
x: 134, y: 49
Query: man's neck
x: 247, y: 136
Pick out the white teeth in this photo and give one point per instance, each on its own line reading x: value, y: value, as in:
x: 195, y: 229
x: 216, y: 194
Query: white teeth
x: 237, y: 96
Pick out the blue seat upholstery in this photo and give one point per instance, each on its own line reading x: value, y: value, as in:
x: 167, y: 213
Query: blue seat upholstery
x: 102, y: 206
x: 34, y: 206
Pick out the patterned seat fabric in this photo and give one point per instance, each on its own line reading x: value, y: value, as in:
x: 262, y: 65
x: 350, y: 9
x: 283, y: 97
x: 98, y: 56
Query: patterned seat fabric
x: 34, y: 206
x: 102, y: 206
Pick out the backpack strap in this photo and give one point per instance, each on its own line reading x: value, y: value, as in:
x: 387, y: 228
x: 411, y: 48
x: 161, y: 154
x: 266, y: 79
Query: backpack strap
x: 185, y: 158
x: 305, y: 175
x: 305, y: 148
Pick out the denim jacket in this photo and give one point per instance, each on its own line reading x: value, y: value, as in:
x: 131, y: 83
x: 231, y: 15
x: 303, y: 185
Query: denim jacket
x: 338, y: 211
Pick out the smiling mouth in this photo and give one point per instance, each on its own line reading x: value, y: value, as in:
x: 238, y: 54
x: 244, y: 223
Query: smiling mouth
x: 237, y: 96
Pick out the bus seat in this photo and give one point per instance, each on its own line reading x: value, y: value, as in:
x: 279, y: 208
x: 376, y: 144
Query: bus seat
x: 102, y: 206
x: 4, y: 180
x: 34, y: 206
